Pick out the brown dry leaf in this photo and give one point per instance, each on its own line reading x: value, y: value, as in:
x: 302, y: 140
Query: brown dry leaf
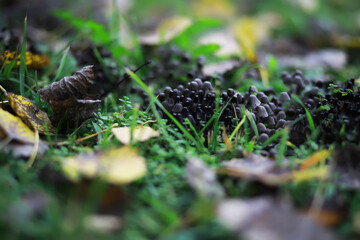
x: 326, y: 217
x: 267, y: 218
x: 140, y: 134
x: 166, y: 31
x: 75, y: 86
x: 117, y: 166
x: 75, y: 110
x: 256, y: 167
x: 29, y: 113
x: 68, y: 97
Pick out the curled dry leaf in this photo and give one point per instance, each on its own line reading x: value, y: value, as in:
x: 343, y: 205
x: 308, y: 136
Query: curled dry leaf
x: 75, y: 86
x: 77, y: 110
x: 202, y: 179
x: 68, y: 97
x: 140, y: 133
x: 267, y: 218
x: 29, y: 113
x: 117, y: 166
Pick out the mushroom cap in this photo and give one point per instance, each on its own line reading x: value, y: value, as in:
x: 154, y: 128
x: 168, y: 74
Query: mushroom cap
x: 253, y: 89
x: 261, y: 112
x: 284, y: 97
x: 254, y: 102
x: 263, y: 137
x: 261, y: 128
x: 177, y: 108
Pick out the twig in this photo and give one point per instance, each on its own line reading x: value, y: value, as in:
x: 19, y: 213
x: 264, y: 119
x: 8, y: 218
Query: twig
x: 126, y: 77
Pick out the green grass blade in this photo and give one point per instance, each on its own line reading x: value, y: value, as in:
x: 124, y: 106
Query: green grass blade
x: 4, y: 65
x: 237, y: 128
x: 273, y: 137
x: 308, y: 114
x: 310, y: 120
x: 282, y: 146
x: 253, y: 123
x: 9, y: 68
x: 197, y: 136
x: 62, y: 63
x: 23, y: 60
x: 216, y: 124
x: 155, y: 100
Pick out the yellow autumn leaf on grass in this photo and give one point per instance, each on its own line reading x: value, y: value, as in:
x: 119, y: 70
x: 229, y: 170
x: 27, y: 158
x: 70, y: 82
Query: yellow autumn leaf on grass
x: 315, y: 159
x: 29, y: 113
x: 16, y: 137
x: 214, y: 8
x: 12, y: 127
x: 251, y: 31
x: 166, y: 31
x: 117, y: 166
x: 309, y: 174
x: 140, y: 133
x: 32, y: 61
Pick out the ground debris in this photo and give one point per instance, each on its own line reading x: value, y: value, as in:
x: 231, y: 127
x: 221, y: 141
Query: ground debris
x: 267, y: 218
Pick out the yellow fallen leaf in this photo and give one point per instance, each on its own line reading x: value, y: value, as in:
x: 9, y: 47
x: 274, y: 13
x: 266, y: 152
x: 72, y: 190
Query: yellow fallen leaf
x: 214, y: 8
x: 32, y: 61
x: 247, y: 35
x: 166, y: 31
x: 304, y: 175
x: 226, y: 140
x: 251, y: 31
x: 14, y: 128
x: 29, y: 113
x: 315, y: 159
x: 117, y: 166
x: 140, y: 133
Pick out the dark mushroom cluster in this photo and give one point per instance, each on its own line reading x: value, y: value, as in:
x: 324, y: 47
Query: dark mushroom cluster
x: 334, y: 108
x: 196, y: 101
